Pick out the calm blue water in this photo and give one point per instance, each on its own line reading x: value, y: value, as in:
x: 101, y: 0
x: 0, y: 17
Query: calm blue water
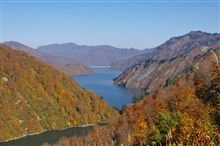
x: 50, y: 137
x: 101, y: 83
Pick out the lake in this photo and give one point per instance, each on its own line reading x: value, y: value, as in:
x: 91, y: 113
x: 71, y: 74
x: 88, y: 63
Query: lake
x: 101, y: 83
x: 50, y: 137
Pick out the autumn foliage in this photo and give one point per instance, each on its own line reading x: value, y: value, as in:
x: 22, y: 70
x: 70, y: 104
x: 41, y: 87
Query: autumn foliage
x: 35, y: 97
x: 183, y: 113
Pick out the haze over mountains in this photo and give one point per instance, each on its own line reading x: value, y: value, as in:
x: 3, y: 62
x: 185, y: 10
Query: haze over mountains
x: 66, y: 65
x: 74, y: 59
x: 167, y: 62
x: 103, y: 55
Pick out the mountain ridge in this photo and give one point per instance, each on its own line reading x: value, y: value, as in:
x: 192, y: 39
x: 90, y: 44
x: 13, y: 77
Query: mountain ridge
x: 125, y: 64
x: 100, y: 55
x: 68, y: 66
x: 167, y: 61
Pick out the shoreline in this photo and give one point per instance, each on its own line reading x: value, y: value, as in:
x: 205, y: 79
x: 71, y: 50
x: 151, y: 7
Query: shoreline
x: 46, y: 130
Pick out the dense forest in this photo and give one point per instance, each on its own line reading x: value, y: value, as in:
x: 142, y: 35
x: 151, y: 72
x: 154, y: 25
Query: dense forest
x: 35, y: 97
x: 184, y: 112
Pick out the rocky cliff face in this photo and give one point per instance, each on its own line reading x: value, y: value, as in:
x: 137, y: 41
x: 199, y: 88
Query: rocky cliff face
x: 68, y: 66
x: 168, y: 61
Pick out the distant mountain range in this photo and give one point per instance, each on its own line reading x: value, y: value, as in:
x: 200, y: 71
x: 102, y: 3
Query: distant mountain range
x: 103, y: 55
x: 167, y: 62
x: 66, y: 65
x: 145, y: 69
x: 75, y: 59
x: 35, y: 97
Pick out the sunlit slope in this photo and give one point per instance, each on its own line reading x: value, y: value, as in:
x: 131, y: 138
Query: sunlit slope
x: 35, y: 97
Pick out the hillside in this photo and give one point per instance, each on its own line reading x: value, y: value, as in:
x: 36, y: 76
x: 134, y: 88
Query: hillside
x: 124, y: 64
x: 168, y: 61
x: 184, y: 113
x: 35, y: 97
x: 102, y: 55
x: 68, y: 66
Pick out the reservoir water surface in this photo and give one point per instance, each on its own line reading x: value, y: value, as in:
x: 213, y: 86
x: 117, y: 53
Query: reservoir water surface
x: 101, y: 83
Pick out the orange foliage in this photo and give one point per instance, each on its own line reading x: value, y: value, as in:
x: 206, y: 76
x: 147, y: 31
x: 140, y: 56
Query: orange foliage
x: 35, y: 97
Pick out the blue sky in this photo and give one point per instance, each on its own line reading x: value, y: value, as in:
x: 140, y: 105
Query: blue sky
x: 125, y: 24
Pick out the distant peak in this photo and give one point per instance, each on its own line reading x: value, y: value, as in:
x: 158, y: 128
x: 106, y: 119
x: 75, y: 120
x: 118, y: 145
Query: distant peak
x: 191, y: 36
x: 11, y: 42
x: 70, y: 43
x: 197, y: 33
x: 16, y: 45
x: 61, y: 44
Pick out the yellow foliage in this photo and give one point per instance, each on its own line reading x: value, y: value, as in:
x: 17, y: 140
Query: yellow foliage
x: 42, y: 97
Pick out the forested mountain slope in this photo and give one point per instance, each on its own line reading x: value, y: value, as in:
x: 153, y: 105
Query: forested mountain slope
x: 35, y: 97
